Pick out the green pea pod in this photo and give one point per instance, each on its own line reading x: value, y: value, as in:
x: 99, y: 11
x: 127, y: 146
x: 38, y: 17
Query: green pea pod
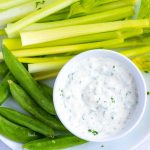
x: 17, y: 133
x: 55, y: 144
x: 3, y: 69
x: 4, y: 88
x: 30, y: 106
x: 25, y: 79
x: 48, y: 91
x: 26, y: 121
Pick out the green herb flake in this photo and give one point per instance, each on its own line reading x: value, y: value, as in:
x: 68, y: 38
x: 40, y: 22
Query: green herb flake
x: 148, y: 92
x: 93, y: 132
x: 112, y: 100
x: 38, y: 3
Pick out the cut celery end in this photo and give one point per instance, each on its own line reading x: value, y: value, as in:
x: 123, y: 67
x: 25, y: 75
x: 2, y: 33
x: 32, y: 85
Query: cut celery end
x: 36, y: 37
x: 106, y: 16
x: 39, y: 14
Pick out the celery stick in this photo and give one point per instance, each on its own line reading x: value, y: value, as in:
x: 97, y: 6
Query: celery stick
x: 104, y: 2
x: 39, y: 14
x: 84, y: 6
x: 63, y: 49
x: 42, y: 59
x: 136, y: 51
x: 78, y: 9
x: 109, y: 6
x: 45, y: 75
x: 144, y: 11
x: 15, y: 13
x: 133, y: 42
x: 5, y: 4
x: 110, y: 15
x: 14, y: 44
x: 132, y: 33
x: 143, y: 62
x: 54, y: 17
x: 36, y: 37
x: 46, y: 66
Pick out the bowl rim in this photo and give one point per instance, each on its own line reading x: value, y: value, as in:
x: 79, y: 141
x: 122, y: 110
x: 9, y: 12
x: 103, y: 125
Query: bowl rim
x: 130, y: 63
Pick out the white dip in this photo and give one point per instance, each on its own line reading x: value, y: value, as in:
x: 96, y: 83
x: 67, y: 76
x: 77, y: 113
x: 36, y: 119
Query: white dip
x: 98, y: 96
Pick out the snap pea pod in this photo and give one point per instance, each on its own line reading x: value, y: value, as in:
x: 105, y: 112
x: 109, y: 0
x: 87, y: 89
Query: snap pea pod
x: 48, y: 91
x: 55, y: 144
x: 17, y: 133
x: 26, y: 121
x: 3, y: 69
x: 4, y: 88
x: 25, y: 79
x: 30, y: 106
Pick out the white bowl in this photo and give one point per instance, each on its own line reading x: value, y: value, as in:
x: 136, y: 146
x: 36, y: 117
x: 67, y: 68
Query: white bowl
x: 140, y: 84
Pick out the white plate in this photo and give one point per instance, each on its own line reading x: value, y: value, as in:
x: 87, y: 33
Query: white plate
x: 141, y: 132
x: 130, y: 141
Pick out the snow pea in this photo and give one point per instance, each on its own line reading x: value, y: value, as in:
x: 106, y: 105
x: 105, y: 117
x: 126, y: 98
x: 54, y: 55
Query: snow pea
x: 26, y: 121
x: 24, y: 100
x: 54, y: 144
x: 25, y: 79
x: 17, y: 133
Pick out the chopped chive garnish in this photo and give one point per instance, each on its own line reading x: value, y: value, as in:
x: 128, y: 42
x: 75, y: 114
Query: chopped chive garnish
x: 148, y: 92
x: 113, y: 100
x: 146, y: 71
x: 93, y: 132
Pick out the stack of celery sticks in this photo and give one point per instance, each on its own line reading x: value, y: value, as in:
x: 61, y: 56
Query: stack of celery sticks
x: 43, y: 35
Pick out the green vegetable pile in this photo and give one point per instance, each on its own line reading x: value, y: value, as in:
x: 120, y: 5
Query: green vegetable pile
x: 39, y: 37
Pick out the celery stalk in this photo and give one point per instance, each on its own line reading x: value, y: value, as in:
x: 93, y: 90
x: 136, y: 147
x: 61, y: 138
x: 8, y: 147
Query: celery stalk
x: 14, y: 44
x: 143, y: 62
x: 106, y: 16
x: 45, y: 75
x: 43, y: 59
x: 15, y: 13
x: 136, y: 51
x: 104, y: 2
x: 63, y: 49
x: 54, y: 17
x: 109, y: 6
x: 5, y: 4
x: 46, y: 66
x: 132, y: 33
x: 39, y: 14
x: 36, y: 37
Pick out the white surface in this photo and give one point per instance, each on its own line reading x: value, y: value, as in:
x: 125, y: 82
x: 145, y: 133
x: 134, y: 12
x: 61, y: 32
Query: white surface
x: 139, y: 138
x: 133, y: 139
x: 61, y: 81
